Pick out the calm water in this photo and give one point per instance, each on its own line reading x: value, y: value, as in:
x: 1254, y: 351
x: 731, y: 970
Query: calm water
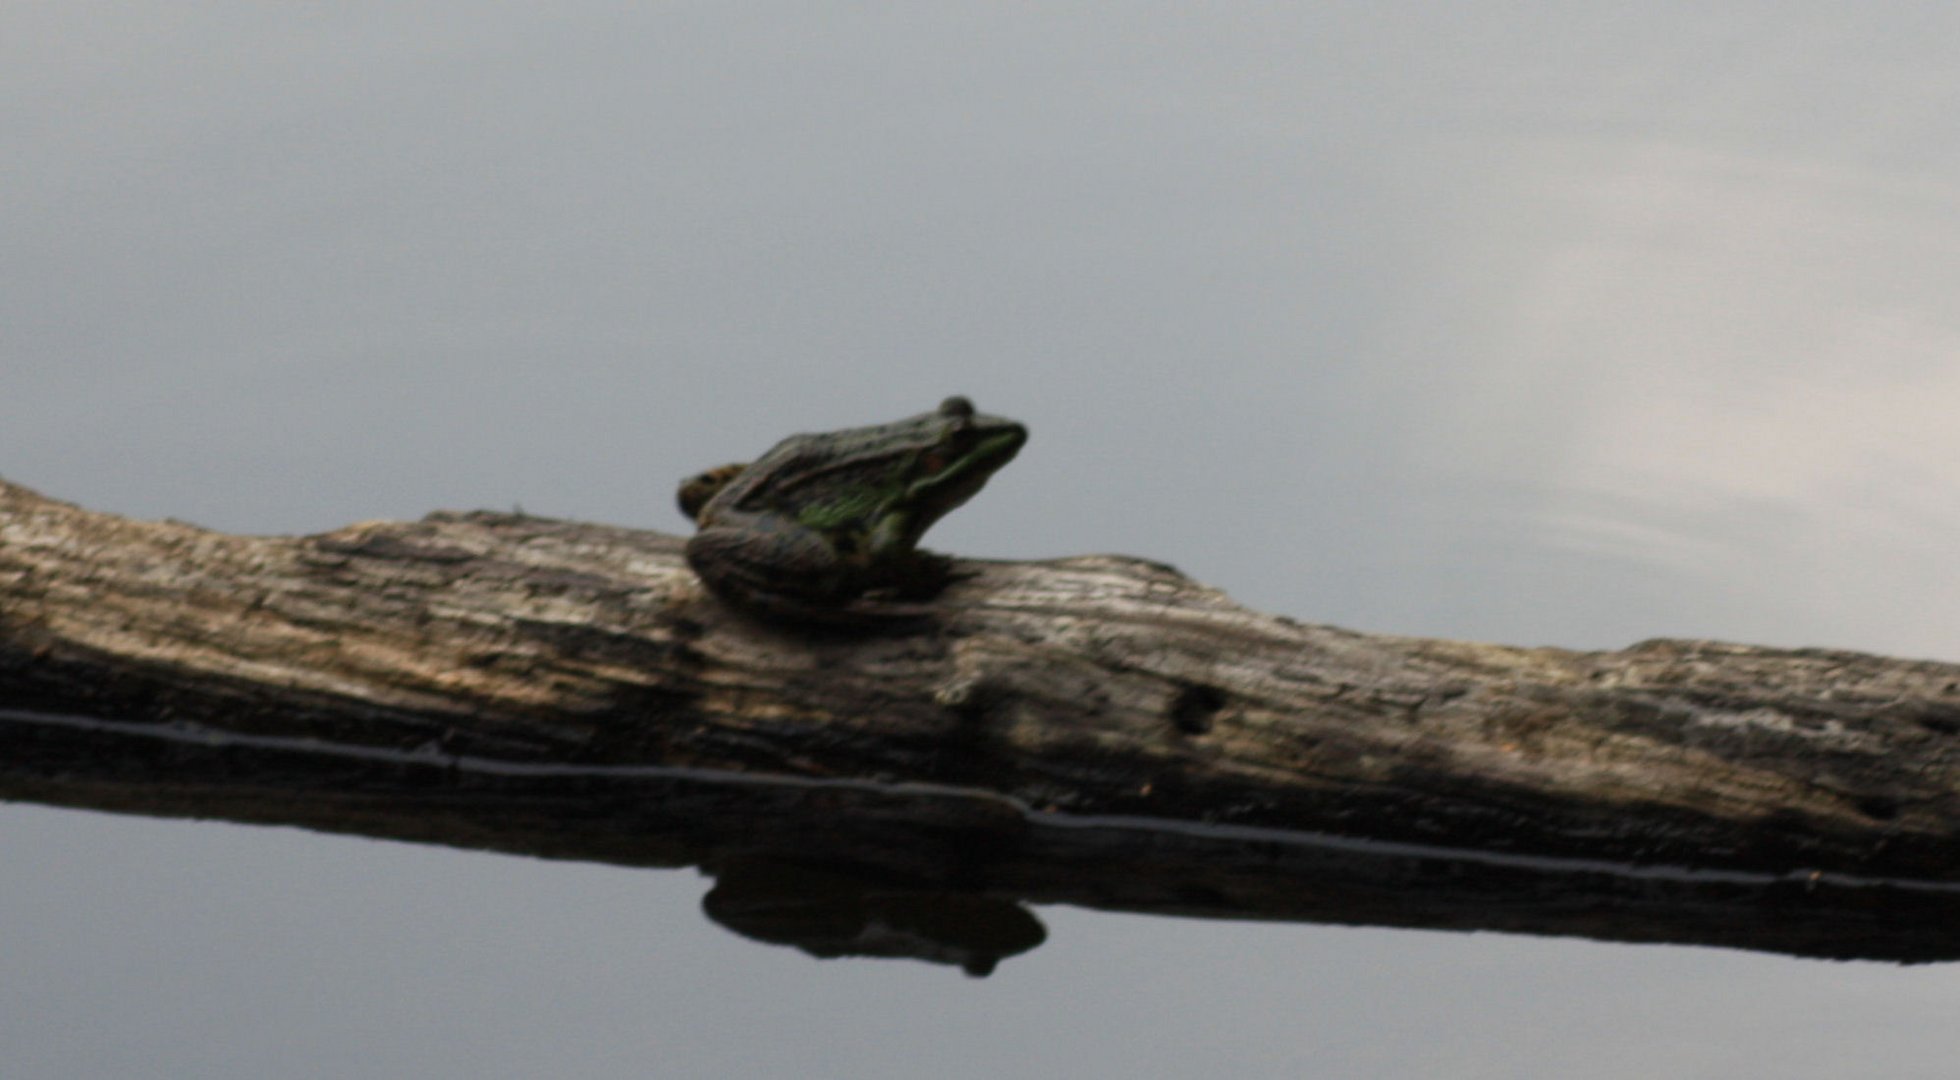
x: 1569, y: 325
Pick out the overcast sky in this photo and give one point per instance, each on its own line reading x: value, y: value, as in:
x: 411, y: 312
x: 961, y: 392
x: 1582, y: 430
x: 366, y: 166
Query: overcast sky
x: 1545, y: 323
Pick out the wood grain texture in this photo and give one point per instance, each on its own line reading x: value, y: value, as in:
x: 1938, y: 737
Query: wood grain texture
x: 1095, y: 687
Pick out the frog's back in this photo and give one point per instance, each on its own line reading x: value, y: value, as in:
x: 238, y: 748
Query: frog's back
x: 797, y: 472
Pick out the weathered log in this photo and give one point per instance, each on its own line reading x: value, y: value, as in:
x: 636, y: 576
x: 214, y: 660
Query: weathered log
x: 1099, y: 731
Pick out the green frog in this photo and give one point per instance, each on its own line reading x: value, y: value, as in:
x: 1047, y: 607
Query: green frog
x: 822, y: 520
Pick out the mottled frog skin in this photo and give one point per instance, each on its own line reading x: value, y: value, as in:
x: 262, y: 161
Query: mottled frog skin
x: 823, y: 520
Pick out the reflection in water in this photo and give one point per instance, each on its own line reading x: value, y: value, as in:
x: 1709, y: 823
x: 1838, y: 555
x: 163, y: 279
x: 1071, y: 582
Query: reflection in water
x: 830, y: 912
x: 938, y: 873
x: 287, y: 270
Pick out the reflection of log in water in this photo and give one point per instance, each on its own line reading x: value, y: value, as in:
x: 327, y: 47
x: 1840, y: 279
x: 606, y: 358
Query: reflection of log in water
x: 1098, y: 732
x: 794, y: 856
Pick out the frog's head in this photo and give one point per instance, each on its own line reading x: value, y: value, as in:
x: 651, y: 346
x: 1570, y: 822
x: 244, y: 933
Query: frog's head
x: 958, y: 451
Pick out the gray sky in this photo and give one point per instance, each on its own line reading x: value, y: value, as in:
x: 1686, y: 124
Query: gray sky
x: 1567, y: 324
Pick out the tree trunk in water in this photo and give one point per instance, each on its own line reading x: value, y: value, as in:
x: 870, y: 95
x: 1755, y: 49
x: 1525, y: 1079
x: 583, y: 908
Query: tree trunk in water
x: 1098, y: 731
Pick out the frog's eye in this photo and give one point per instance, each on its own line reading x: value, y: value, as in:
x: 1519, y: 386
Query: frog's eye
x: 957, y: 407
x: 959, y: 433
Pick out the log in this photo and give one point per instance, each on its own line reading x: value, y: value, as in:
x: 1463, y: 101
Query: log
x: 1099, y: 731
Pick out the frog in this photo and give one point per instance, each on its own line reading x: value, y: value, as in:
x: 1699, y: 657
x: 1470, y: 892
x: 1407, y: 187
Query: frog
x: 823, y: 525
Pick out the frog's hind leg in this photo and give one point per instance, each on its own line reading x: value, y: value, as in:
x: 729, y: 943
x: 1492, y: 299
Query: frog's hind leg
x: 771, y: 569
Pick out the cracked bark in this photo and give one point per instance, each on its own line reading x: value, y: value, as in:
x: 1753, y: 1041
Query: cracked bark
x: 1098, y: 730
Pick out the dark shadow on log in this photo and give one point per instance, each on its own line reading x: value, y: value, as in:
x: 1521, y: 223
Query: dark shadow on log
x: 852, y: 867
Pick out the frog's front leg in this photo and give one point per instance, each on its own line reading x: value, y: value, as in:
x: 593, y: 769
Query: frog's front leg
x: 772, y: 564
x: 908, y: 571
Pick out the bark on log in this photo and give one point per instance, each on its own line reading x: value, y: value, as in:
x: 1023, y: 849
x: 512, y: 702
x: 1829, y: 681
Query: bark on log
x: 1097, y: 730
